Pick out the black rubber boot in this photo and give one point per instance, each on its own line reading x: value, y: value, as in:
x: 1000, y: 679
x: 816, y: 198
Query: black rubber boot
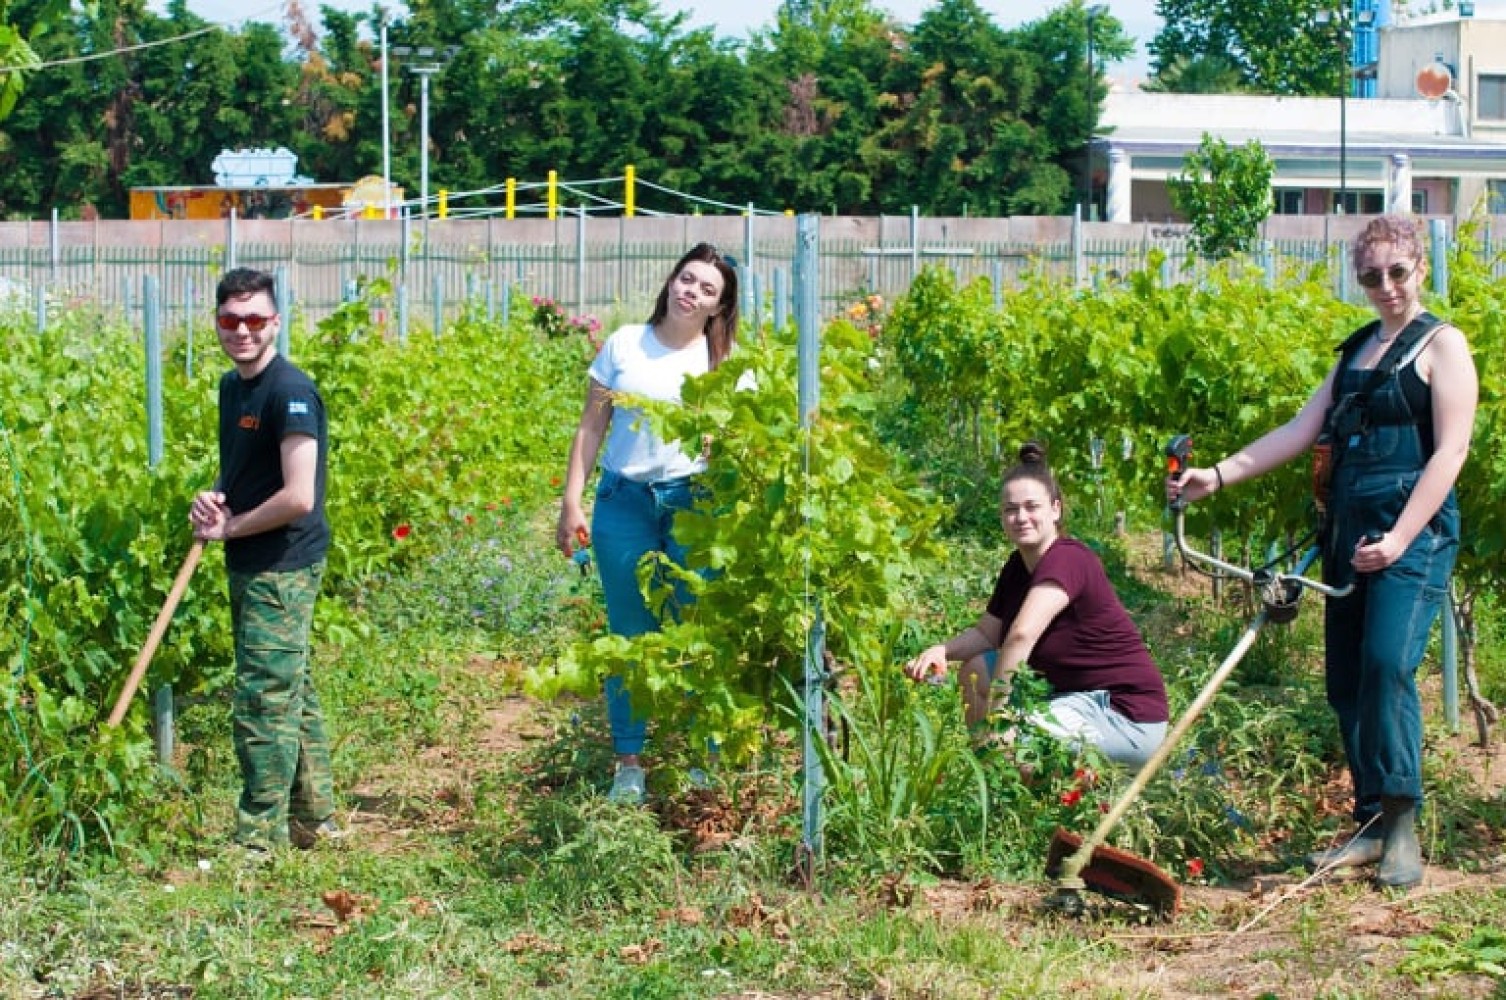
x: 1364, y: 848
x: 1401, y: 857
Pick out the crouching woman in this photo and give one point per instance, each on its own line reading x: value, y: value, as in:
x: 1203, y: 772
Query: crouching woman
x: 1054, y: 611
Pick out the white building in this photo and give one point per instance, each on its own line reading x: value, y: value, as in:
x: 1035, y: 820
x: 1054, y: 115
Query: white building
x: 1398, y: 151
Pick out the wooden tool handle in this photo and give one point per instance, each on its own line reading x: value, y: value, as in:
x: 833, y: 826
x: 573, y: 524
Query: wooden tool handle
x: 159, y: 627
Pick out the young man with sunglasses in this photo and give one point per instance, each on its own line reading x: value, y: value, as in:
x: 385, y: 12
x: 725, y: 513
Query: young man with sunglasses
x: 267, y: 507
x: 1397, y: 411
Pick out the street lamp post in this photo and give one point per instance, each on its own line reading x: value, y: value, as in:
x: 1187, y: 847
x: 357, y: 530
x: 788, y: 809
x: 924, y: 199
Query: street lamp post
x: 1346, y: 20
x: 424, y: 71
x: 1091, y: 13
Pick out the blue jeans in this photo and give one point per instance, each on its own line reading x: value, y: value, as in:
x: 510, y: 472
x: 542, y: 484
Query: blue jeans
x: 1375, y: 638
x: 631, y: 519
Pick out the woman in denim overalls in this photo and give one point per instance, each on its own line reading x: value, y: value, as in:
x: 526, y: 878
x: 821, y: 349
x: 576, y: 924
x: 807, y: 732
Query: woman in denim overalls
x: 644, y: 481
x: 1398, y: 442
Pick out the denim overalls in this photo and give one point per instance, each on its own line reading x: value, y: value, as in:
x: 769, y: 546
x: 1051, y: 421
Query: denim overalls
x: 1375, y: 637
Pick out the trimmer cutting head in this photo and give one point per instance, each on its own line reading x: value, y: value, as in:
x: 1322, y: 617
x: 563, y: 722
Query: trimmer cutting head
x: 1114, y: 873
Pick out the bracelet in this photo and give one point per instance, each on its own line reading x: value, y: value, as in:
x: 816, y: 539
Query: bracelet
x: 1218, y: 475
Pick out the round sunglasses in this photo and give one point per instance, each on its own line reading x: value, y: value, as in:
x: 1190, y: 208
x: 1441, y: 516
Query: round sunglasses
x: 1373, y: 276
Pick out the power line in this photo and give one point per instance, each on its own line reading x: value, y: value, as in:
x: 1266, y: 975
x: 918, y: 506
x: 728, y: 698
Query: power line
x: 75, y: 60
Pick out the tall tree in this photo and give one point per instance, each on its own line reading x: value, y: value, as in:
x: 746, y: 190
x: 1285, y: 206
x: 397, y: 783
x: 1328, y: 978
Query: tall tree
x: 1069, y: 97
x: 1291, y: 47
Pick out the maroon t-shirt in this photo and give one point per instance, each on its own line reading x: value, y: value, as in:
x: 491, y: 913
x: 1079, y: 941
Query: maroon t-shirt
x: 1092, y: 645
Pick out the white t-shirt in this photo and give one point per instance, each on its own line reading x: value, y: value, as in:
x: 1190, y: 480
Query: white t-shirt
x: 634, y: 361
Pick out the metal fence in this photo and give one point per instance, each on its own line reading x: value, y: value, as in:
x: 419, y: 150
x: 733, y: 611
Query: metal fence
x: 610, y: 268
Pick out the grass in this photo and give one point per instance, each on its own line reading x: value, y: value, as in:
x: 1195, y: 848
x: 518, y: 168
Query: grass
x: 486, y: 862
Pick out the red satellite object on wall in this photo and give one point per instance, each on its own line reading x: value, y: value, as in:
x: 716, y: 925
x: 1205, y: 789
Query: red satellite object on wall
x: 1433, y: 81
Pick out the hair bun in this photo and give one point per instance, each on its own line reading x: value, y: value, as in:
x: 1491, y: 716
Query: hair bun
x: 1032, y: 453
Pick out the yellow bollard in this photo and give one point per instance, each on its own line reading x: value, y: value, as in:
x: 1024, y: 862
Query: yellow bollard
x: 512, y: 197
x: 553, y: 193
x: 318, y: 212
x: 444, y: 203
x: 628, y: 196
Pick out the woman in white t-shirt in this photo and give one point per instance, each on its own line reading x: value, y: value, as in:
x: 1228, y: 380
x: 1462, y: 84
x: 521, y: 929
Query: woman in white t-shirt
x: 644, y: 481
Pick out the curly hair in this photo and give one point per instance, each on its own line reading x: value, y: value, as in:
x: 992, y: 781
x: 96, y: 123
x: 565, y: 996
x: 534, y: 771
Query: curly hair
x: 1401, y: 231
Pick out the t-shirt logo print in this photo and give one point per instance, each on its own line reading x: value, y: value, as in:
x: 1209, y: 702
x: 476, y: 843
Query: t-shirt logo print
x: 297, y: 407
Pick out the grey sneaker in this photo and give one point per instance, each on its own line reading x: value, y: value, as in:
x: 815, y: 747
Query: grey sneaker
x: 627, y: 786
x: 305, y: 834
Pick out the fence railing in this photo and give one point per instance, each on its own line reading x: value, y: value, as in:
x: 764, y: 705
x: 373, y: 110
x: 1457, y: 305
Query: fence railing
x: 608, y: 267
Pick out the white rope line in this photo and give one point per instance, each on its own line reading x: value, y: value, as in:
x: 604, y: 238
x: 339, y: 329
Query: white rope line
x: 95, y: 57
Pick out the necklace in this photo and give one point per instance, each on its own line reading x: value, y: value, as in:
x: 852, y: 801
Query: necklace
x: 1381, y: 337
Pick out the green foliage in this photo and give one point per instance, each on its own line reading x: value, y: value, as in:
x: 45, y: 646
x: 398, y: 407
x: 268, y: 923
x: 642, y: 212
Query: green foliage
x: 1225, y: 193
x: 1475, y: 307
x: 96, y: 535
x: 838, y: 107
x: 420, y: 440
x: 1295, y: 48
x: 1452, y: 949
x: 550, y: 319
x: 895, y: 792
x: 1225, y: 358
x: 777, y: 529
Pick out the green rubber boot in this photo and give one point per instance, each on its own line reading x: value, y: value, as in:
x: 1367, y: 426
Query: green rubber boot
x: 1401, y: 856
x: 1364, y: 848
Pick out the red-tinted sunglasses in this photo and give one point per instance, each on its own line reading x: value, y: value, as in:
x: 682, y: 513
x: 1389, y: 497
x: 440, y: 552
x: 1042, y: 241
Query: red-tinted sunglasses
x: 230, y: 322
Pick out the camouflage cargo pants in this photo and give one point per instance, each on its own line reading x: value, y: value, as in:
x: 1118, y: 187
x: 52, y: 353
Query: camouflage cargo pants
x: 278, y: 724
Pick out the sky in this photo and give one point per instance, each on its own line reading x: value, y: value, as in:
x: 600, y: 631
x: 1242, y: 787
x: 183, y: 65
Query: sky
x: 735, y: 18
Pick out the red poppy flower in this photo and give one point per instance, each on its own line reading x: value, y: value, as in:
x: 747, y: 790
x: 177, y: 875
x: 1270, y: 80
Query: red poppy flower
x: 1195, y: 867
x: 1072, y: 796
x: 554, y: 481
x: 402, y: 531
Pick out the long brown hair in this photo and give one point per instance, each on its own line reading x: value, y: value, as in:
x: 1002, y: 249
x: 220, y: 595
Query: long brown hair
x: 721, y: 328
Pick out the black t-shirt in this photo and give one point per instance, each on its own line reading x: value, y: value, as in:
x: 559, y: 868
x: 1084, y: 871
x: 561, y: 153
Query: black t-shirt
x: 255, y: 415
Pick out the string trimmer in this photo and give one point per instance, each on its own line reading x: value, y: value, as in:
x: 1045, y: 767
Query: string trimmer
x: 1077, y: 864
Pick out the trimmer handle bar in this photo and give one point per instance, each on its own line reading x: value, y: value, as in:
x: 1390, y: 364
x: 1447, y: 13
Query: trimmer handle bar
x: 1261, y: 578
